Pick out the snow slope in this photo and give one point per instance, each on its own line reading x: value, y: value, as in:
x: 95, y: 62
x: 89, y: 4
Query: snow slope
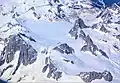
x: 50, y: 31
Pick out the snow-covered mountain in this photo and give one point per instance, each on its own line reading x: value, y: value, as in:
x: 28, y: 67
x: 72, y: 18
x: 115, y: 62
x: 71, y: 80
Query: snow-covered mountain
x: 59, y: 41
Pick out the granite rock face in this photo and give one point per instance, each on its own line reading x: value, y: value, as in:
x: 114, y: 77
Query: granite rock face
x: 103, y: 53
x: 82, y: 35
x: 64, y: 48
x: 27, y: 55
x: 2, y: 60
x: 52, y: 70
x: 90, y: 46
x: 107, y: 76
x: 79, y: 24
x: 103, y: 29
x: 90, y: 76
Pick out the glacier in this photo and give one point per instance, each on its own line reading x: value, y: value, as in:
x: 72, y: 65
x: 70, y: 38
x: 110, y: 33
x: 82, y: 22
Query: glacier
x: 59, y: 41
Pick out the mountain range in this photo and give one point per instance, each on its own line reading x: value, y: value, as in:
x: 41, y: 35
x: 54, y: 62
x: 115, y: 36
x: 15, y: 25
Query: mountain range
x: 60, y: 41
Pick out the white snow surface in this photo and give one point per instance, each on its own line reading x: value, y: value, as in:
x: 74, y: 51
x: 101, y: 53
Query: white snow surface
x: 48, y: 35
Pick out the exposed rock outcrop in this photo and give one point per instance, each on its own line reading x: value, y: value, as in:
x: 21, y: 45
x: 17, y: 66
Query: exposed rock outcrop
x: 52, y: 70
x: 103, y: 29
x: 14, y: 43
x: 90, y: 76
x: 79, y: 25
x: 107, y: 76
x: 64, y: 48
x: 90, y: 46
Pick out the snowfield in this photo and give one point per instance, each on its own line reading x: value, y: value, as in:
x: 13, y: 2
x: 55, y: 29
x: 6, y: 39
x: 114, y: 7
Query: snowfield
x: 45, y: 31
